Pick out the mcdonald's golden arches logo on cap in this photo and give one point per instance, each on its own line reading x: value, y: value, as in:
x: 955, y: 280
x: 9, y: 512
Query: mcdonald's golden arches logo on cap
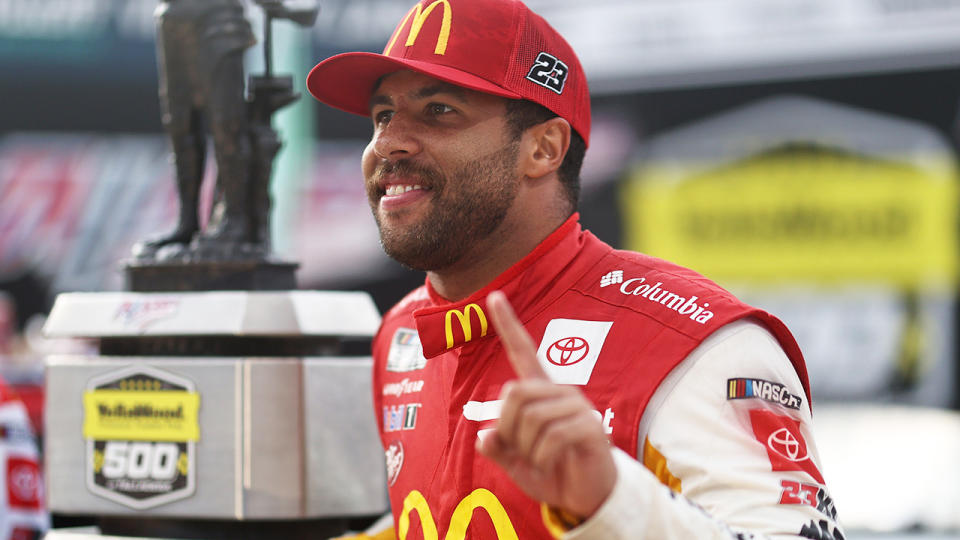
x: 420, y: 16
x: 465, y: 320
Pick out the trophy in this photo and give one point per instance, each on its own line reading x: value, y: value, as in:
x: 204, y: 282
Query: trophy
x: 200, y: 46
x: 222, y: 402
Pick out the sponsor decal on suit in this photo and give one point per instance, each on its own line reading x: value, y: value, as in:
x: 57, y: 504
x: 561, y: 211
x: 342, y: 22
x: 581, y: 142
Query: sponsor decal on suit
x: 393, y: 457
x: 406, y: 351
x: 808, y: 494
x: 399, y: 388
x: 465, y: 319
x: 487, y: 411
x: 782, y: 439
x: 743, y: 388
x: 821, y: 530
x: 693, y: 307
x: 570, y: 348
x: 400, y: 417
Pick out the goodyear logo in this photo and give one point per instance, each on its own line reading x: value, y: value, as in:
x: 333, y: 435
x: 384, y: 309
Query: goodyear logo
x: 465, y: 323
x: 420, y: 16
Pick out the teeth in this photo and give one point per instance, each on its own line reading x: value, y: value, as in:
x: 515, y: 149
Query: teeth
x: 397, y: 189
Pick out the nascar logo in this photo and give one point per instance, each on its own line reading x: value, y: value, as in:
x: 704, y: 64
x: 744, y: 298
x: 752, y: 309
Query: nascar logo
x: 743, y: 388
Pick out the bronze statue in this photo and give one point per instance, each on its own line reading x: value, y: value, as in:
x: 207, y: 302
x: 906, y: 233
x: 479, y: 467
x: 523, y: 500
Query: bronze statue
x: 200, y: 46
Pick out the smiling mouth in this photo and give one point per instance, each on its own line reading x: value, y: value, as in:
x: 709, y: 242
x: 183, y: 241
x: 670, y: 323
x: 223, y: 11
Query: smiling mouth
x: 399, y: 189
x: 398, y: 183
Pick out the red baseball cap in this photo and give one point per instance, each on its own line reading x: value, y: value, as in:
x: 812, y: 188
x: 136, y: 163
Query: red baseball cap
x: 495, y: 46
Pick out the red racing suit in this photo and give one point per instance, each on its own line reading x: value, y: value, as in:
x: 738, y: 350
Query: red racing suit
x: 614, y: 323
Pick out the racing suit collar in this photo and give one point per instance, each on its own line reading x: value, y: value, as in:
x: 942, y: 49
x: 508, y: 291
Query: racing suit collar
x: 445, y: 325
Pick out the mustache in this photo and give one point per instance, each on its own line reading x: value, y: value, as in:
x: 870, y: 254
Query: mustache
x: 426, y: 176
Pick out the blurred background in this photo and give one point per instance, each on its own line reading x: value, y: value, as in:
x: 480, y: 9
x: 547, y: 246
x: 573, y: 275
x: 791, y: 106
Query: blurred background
x: 802, y: 153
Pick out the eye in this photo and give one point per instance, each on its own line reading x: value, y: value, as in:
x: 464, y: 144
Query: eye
x: 439, y: 109
x: 382, y: 117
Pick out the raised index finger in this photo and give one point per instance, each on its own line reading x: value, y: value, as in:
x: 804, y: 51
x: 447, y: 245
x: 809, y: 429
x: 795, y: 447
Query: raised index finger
x: 516, y: 341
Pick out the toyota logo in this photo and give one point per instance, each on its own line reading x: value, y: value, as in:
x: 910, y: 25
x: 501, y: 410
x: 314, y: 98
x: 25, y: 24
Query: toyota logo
x: 785, y: 443
x: 568, y: 351
x: 24, y: 482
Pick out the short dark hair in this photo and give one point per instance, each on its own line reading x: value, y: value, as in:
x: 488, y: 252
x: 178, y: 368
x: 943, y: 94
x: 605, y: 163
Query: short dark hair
x: 523, y: 114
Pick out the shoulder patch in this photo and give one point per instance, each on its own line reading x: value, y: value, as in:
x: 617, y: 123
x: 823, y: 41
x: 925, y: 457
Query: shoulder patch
x: 648, y: 288
x: 772, y: 392
x: 784, y: 442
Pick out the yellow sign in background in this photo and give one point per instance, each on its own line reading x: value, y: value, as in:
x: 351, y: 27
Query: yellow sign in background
x: 112, y: 414
x: 800, y: 214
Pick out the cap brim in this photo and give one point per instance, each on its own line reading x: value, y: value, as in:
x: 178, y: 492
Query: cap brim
x: 345, y: 81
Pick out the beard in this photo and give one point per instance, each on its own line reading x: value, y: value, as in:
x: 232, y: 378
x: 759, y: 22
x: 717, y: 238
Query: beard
x: 468, y: 205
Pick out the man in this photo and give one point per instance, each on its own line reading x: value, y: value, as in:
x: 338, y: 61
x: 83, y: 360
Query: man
x: 481, y: 116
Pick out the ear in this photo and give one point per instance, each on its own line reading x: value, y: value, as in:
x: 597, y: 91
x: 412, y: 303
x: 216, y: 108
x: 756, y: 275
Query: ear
x: 544, y: 147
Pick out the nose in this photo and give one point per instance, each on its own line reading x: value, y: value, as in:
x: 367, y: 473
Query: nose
x: 397, y: 139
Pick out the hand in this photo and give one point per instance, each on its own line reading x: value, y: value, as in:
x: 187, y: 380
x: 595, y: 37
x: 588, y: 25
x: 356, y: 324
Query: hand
x: 548, y: 438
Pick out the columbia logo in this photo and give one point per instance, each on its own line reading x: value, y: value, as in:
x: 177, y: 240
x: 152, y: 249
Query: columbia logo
x: 612, y: 278
x: 656, y: 293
